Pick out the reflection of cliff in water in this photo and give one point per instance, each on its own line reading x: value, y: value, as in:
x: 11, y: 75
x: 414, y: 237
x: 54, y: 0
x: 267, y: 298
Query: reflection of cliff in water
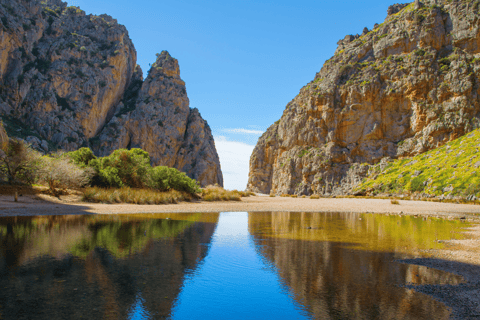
x: 98, y: 267
x: 333, y: 281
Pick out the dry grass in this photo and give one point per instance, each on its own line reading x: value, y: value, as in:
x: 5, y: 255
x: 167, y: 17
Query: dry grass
x: 291, y: 196
x: 135, y: 196
x: 272, y: 195
x: 214, y: 193
x: 244, y: 194
x: 394, y: 201
x: 315, y: 196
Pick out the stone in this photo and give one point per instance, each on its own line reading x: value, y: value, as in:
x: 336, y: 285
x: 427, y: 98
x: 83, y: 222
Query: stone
x: 418, y: 4
x: 393, y: 9
x: 44, y: 145
x: 448, y: 189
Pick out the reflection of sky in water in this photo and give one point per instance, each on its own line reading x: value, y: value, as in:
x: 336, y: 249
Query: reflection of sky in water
x: 233, y: 282
x: 211, y: 266
x: 138, y: 310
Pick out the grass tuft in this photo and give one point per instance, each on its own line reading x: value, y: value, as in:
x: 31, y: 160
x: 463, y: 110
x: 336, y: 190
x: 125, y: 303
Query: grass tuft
x: 134, y: 196
x: 215, y: 193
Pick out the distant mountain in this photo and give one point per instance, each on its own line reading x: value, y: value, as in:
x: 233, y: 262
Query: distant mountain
x: 408, y: 86
x: 70, y: 80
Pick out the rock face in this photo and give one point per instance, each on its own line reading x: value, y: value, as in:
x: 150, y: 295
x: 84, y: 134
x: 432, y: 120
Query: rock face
x: 408, y: 86
x: 163, y: 124
x: 70, y: 80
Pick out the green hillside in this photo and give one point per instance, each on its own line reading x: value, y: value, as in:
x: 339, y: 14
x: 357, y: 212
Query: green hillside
x: 451, y: 170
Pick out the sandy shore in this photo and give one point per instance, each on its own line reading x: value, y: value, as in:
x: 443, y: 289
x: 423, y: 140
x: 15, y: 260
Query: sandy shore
x: 47, y: 205
x: 461, y: 257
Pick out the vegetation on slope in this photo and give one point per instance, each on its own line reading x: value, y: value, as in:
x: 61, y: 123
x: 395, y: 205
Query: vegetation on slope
x: 124, y: 176
x: 451, y: 170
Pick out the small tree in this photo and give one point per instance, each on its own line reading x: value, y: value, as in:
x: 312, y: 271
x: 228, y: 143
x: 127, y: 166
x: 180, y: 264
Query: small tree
x: 3, y: 139
x: 18, y: 162
x: 60, y: 172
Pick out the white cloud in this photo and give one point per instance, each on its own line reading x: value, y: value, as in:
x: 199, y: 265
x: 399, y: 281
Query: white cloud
x: 234, y: 159
x: 241, y: 130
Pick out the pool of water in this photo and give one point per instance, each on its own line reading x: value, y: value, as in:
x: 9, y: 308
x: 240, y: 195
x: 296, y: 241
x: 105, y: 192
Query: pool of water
x: 220, y: 266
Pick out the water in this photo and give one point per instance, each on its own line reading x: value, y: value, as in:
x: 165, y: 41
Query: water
x: 220, y: 266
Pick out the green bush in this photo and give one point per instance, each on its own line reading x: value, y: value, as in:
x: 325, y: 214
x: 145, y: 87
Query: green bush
x: 165, y: 178
x: 131, y: 168
x: 81, y: 157
x: 417, y: 184
x: 123, y: 167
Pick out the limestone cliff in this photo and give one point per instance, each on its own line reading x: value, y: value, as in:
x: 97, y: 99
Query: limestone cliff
x: 409, y: 85
x: 162, y: 123
x: 69, y: 80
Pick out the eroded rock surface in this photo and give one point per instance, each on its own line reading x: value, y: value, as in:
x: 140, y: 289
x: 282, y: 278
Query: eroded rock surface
x: 162, y: 123
x: 69, y: 80
x: 405, y: 87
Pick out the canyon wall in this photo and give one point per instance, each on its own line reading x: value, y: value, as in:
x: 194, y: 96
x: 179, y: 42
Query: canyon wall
x: 409, y: 85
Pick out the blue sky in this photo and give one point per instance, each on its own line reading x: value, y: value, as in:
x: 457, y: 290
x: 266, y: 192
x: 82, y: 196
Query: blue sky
x: 242, y: 60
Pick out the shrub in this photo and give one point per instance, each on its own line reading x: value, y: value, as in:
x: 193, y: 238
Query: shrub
x: 245, y: 193
x: 416, y: 184
x: 302, y: 153
x: 123, y: 168
x: 215, y: 193
x: 59, y: 171
x: 81, y: 157
x: 394, y: 202
x: 165, y: 178
x: 315, y: 196
x: 18, y: 161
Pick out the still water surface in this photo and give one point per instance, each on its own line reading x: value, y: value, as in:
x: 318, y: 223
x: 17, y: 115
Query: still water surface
x: 219, y: 266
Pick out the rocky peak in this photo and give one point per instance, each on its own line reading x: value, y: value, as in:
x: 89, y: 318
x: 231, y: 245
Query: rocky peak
x: 69, y: 80
x: 397, y: 7
x: 165, y: 64
x: 157, y: 118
